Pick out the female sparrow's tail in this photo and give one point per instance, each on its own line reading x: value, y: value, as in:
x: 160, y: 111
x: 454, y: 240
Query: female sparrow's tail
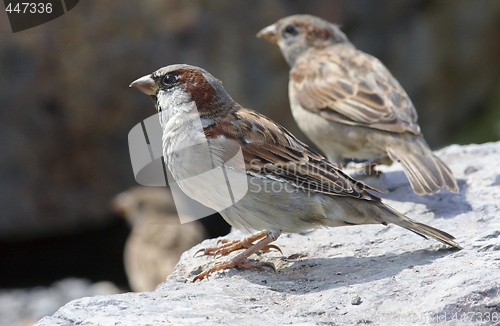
x: 425, y: 171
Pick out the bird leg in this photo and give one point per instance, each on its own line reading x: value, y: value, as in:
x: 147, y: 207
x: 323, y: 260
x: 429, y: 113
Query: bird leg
x: 225, y: 246
x: 241, y: 260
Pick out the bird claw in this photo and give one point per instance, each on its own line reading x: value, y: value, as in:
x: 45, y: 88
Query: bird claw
x: 225, y: 246
x: 269, y: 247
x: 268, y: 265
x: 262, y: 243
x: 222, y: 244
x: 224, y: 250
x: 200, y: 250
x: 231, y: 264
x: 222, y: 241
x: 216, y: 251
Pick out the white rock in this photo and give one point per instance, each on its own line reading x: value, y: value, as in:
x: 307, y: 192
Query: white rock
x: 23, y: 307
x: 399, y: 277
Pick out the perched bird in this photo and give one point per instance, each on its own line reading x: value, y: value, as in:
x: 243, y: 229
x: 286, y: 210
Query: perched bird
x: 290, y: 187
x: 349, y: 104
x: 157, y: 238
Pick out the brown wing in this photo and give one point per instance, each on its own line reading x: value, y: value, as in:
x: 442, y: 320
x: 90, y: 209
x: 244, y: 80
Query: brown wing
x: 351, y: 87
x: 271, y: 151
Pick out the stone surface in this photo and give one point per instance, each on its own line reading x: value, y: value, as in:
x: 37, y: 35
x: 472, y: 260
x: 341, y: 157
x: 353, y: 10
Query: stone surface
x: 23, y: 307
x: 352, y: 275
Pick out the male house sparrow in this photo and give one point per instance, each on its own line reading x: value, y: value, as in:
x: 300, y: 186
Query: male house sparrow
x: 349, y: 104
x: 291, y: 188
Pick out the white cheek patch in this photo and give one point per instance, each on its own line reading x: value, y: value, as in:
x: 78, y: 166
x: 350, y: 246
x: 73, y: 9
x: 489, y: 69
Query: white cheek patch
x: 175, y: 102
x: 173, y: 99
x: 178, y: 111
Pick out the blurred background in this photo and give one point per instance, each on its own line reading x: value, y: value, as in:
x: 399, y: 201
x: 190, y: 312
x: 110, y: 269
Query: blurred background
x: 66, y: 110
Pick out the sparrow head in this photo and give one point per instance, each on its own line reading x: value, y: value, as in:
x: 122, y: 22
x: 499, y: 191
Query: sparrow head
x: 297, y: 34
x: 175, y: 87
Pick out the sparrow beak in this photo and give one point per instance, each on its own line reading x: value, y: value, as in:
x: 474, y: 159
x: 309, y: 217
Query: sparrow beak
x: 269, y: 34
x: 146, y: 85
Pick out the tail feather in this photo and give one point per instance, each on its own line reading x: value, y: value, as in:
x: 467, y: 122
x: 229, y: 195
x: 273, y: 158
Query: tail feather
x: 394, y: 217
x: 355, y: 211
x: 449, y: 180
x: 425, y: 171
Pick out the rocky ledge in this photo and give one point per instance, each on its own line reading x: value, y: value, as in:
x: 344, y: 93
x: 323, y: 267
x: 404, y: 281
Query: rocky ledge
x: 352, y: 275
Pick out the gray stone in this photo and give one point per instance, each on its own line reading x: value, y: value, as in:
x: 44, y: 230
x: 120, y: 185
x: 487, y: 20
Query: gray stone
x: 401, y: 278
x: 23, y: 307
x: 356, y: 301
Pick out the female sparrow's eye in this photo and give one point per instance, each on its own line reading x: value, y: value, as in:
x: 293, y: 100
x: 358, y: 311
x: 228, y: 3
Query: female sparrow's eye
x: 290, y: 30
x: 170, y: 79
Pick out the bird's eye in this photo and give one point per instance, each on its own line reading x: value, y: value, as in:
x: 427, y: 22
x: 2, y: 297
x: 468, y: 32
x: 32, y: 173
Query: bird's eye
x: 290, y: 30
x: 170, y: 79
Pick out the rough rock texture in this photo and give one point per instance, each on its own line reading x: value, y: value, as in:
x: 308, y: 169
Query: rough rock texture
x: 353, y: 275
x: 23, y: 307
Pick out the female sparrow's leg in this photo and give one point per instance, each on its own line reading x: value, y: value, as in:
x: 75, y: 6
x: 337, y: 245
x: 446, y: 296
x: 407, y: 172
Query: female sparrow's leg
x: 266, y: 237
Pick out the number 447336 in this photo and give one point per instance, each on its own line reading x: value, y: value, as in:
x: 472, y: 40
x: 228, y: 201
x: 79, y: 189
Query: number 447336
x: 29, y: 7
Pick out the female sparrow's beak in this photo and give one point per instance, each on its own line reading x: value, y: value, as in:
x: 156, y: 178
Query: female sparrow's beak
x: 146, y: 85
x: 269, y: 34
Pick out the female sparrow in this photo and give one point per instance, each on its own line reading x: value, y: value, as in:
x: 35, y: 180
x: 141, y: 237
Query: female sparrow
x: 287, y: 186
x: 349, y: 104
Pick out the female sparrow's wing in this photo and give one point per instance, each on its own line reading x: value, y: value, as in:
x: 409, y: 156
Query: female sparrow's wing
x: 348, y: 86
x: 271, y: 151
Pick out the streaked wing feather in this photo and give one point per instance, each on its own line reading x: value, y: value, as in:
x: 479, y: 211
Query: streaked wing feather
x: 271, y: 151
x: 348, y: 86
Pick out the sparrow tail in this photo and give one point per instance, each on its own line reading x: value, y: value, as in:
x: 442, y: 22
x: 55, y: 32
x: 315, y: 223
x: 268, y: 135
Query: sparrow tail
x: 425, y: 171
x: 393, y: 216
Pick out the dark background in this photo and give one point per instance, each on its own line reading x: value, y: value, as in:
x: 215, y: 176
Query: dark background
x: 66, y: 109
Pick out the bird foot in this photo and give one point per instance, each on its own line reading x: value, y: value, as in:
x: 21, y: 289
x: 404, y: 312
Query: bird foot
x: 225, y: 246
x: 232, y: 264
x: 263, y: 244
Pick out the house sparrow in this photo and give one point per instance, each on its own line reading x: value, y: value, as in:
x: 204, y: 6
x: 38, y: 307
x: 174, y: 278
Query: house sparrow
x: 157, y: 239
x: 349, y: 104
x: 290, y: 187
